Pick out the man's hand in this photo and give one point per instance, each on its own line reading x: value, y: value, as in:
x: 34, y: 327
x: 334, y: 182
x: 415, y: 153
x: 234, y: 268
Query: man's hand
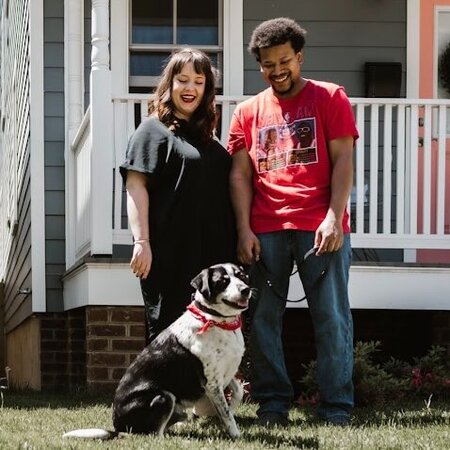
x: 249, y: 248
x: 329, y: 236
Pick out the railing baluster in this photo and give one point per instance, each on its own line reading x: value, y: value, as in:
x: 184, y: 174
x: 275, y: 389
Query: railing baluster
x: 144, y: 109
x: 413, y: 179
x: 387, y: 168
x: 441, y: 171
x: 400, y: 199
x: 130, y: 119
x: 120, y: 144
x: 426, y: 171
x: 373, y: 207
x: 360, y: 182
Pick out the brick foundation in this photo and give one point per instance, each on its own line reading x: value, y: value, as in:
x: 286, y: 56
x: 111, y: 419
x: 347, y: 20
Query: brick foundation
x: 54, y: 351
x: 114, y: 336
x: 93, y: 346
x: 89, y: 346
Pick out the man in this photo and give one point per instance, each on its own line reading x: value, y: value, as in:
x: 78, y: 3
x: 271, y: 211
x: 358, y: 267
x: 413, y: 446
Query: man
x: 287, y: 210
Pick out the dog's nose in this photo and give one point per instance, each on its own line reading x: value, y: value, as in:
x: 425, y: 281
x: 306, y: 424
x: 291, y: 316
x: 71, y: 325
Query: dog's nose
x: 245, y: 291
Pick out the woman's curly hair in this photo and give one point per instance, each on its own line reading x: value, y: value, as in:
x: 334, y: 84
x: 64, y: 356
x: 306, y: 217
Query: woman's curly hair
x: 203, y: 120
x: 277, y: 32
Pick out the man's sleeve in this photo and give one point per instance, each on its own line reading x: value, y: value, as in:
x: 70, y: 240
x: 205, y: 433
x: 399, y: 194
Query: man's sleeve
x: 340, y: 118
x: 236, y: 135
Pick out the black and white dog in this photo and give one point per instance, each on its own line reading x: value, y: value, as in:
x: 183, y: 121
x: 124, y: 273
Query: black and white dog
x: 190, y: 363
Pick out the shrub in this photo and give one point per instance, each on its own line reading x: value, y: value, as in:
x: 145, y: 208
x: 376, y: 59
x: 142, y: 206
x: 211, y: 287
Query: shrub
x: 379, y: 383
x: 373, y: 384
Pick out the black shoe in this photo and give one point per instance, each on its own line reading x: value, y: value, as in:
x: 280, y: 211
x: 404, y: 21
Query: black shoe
x: 272, y: 419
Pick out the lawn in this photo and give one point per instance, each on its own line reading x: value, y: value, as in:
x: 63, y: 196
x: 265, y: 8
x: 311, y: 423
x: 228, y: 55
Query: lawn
x: 37, y: 421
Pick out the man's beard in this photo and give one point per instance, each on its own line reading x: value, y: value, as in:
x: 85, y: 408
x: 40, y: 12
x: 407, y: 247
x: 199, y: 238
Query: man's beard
x: 285, y: 91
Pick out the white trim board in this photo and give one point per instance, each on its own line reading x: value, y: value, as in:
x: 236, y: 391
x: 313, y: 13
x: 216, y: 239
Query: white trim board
x: 38, y: 298
x: 108, y: 284
x: 398, y: 287
x: 371, y: 287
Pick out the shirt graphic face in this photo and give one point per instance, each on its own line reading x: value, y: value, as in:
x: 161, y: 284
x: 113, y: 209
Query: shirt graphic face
x: 285, y: 145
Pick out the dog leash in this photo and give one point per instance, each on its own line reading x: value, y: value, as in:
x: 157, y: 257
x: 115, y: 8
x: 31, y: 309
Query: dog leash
x: 268, y: 279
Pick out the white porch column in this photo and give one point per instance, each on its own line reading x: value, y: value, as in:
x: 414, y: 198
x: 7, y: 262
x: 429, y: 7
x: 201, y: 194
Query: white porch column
x: 73, y: 55
x: 233, y: 57
x: 412, y: 74
x: 101, y: 132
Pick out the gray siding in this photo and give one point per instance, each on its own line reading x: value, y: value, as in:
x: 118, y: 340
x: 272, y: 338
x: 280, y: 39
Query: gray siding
x: 341, y: 37
x: 17, y: 307
x: 87, y: 50
x: 54, y: 152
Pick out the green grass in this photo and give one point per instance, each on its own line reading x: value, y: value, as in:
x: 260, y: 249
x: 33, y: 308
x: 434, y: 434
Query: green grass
x: 38, y: 420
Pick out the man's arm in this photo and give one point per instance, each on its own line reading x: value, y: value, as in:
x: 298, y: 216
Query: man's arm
x: 241, y: 191
x: 330, y: 236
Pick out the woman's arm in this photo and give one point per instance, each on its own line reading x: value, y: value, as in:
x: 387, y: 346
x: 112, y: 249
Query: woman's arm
x: 138, y: 213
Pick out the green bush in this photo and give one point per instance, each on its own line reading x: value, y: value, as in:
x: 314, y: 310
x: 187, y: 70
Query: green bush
x: 381, y: 383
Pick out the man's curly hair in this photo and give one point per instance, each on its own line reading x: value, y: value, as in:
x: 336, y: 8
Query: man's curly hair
x: 277, y: 32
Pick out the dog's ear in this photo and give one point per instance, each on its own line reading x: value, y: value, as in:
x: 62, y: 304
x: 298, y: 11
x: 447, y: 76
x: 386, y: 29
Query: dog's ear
x: 200, y: 283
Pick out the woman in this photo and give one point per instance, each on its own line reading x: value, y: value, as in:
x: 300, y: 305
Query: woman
x: 176, y: 176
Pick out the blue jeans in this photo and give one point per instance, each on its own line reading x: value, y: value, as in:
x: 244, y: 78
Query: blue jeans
x: 331, y: 316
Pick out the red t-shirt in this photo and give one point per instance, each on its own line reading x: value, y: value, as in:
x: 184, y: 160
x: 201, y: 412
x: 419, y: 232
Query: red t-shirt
x: 287, y: 142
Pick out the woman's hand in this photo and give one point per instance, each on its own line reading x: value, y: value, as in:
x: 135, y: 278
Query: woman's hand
x: 141, y: 261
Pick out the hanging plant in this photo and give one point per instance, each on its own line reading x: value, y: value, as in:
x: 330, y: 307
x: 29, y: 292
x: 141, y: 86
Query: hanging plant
x: 444, y: 68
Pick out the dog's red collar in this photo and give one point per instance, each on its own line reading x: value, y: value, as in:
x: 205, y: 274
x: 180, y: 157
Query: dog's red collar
x: 197, y: 313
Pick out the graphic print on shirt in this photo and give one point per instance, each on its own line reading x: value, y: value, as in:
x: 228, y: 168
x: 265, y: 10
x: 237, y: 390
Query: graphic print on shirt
x: 287, y: 145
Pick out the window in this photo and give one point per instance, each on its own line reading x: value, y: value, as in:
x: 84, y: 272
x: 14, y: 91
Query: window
x: 158, y: 27
x: 442, y: 40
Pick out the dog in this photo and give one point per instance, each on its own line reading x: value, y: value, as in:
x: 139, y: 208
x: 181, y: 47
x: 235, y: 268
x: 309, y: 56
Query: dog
x: 189, y: 364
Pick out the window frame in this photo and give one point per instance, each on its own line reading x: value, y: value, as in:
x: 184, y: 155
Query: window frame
x: 136, y: 81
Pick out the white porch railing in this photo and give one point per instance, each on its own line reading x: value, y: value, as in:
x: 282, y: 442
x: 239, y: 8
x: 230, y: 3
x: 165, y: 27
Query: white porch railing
x: 402, y: 173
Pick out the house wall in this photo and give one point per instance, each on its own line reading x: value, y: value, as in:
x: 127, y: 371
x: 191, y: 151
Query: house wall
x: 54, y: 151
x: 16, y: 153
x: 341, y: 38
x: 87, y: 50
x: 2, y: 335
x: 23, y: 355
x: 429, y: 88
x: 114, y: 337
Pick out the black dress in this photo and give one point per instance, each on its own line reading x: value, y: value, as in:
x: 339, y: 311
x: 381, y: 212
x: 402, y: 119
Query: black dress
x: 190, y: 215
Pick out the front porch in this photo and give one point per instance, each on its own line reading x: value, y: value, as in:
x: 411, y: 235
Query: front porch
x: 401, y: 189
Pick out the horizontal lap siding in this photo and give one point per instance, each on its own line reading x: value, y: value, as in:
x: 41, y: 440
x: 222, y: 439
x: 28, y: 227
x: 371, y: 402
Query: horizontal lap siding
x: 54, y: 135
x: 341, y: 37
x: 16, y: 156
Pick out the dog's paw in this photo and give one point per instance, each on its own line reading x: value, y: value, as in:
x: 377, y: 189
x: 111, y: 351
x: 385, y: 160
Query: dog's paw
x: 234, y: 433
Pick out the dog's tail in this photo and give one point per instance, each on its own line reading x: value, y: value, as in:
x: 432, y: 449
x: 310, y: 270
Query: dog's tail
x: 91, y: 433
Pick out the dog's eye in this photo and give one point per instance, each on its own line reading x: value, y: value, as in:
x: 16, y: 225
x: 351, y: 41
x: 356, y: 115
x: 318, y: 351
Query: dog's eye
x: 242, y: 276
x: 222, y: 282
